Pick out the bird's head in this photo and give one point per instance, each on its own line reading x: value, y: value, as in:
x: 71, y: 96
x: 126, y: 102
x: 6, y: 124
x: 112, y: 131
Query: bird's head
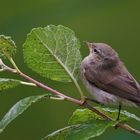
x: 102, y: 55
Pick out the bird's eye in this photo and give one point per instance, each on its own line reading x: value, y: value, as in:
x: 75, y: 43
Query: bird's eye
x: 95, y: 50
x: 106, y: 58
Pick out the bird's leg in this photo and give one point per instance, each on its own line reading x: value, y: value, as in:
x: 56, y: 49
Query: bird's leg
x: 118, y: 117
x: 119, y: 112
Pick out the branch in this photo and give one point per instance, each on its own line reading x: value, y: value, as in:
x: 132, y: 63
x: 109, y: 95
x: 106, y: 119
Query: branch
x: 76, y: 101
x: 55, y: 92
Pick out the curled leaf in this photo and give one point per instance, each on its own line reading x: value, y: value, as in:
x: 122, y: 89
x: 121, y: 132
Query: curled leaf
x: 7, y: 46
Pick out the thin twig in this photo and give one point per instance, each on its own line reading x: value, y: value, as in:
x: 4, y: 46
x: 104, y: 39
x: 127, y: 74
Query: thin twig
x: 13, y: 63
x: 55, y: 92
x: 86, y: 105
x: 128, y: 128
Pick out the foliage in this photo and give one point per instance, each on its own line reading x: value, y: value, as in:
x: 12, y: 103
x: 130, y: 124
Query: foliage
x: 54, y: 53
x: 7, y: 46
x: 85, y: 124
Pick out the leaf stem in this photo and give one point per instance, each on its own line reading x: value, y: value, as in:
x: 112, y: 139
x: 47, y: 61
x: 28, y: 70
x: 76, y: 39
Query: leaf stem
x: 4, y: 67
x: 27, y: 83
x: 57, y: 98
x: 13, y: 63
x: 79, y: 89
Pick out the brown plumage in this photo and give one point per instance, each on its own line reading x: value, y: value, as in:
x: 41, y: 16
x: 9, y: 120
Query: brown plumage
x: 106, y: 77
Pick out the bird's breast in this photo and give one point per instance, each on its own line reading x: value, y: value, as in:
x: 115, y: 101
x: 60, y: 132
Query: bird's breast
x: 98, y: 94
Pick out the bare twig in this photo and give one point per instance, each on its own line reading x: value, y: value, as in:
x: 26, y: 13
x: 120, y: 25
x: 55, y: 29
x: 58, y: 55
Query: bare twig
x: 128, y: 128
x: 55, y: 92
x: 86, y: 105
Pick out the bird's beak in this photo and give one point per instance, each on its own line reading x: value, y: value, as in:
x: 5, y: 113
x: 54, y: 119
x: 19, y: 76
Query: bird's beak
x: 89, y: 45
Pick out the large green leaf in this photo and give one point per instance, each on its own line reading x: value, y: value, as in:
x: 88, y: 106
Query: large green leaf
x: 6, y: 83
x: 7, y: 46
x: 84, y: 131
x: 18, y: 109
x: 53, y: 52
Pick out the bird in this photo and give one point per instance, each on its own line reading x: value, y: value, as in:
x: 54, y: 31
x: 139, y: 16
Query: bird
x: 107, y: 79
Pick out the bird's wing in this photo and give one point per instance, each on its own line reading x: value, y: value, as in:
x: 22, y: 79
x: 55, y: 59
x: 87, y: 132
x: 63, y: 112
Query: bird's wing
x: 122, y: 85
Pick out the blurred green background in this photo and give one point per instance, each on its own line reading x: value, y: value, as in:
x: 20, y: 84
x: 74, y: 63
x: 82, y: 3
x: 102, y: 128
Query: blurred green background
x: 114, y: 22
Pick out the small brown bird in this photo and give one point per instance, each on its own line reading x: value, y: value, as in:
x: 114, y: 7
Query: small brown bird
x: 107, y: 79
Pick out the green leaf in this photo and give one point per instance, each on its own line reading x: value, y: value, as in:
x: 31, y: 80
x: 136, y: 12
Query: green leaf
x: 83, y: 131
x: 82, y: 115
x: 53, y: 52
x: 7, y: 46
x: 18, y: 109
x: 8, y: 83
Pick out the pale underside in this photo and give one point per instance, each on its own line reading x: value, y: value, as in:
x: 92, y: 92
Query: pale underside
x: 105, y: 97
